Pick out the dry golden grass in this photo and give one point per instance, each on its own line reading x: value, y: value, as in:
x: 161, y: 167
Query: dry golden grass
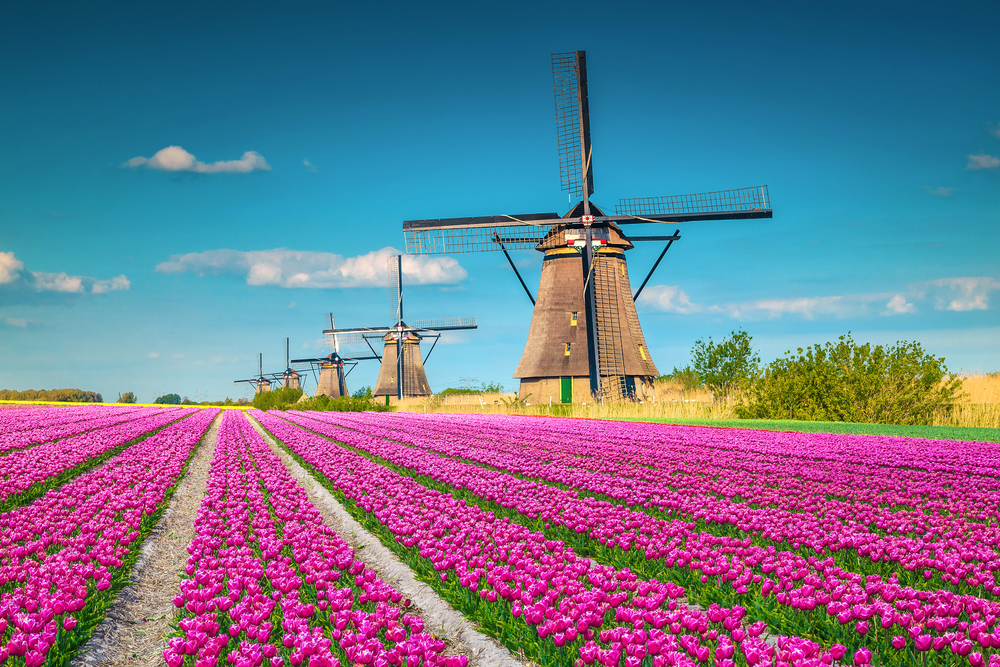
x: 978, y: 407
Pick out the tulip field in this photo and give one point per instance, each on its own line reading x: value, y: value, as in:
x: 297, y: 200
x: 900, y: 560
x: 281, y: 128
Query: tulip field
x: 570, y: 542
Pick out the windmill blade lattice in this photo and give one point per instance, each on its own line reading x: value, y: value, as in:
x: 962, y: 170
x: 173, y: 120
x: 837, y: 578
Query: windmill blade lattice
x: 569, y: 78
x: 393, y: 270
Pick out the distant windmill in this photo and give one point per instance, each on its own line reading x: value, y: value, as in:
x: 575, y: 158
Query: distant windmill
x: 290, y: 378
x: 334, y: 368
x: 259, y: 383
x: 584, y: 275
x: 402, y: 372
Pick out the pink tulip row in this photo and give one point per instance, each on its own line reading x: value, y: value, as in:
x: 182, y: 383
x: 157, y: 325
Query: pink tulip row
x: 270, y: 581
x: 20, y: 470
x: 779, y: 581
x: 32, y: 427
x: 512, y: 576
x: 911, y: 519
x: 61, y: 555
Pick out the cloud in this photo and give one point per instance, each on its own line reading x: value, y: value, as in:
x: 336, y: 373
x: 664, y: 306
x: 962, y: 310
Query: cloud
x: 175, y: 158
x: 291, y: 304
x: 898, y: 305
x: 995, y: 130
x: 21, y: 322
x: 959, y: 294
x: 20, y: 286
x: 308, y: 269
x: 939, y: 192
x: 153, y: 355
x: 983, y: 161
x: 669, y: 299
x: 10, y: 267
x: 180, y: 356
x: 808, y: 308
x: 310, y: 167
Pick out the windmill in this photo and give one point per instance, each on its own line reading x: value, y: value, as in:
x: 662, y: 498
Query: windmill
x: 259, y: 383
x: 584, y: 275
x: 332, y: 380
x: 402, y: 372
x: 290, y: 378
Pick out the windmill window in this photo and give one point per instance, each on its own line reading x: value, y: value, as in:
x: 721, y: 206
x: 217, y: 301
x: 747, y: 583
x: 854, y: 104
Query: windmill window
x: 572, y: 319
x: 567, y: 349
x: 642, y: 353
x: 623, y: 269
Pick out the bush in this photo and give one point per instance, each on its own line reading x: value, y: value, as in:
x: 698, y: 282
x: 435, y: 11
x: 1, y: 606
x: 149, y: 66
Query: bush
x: 847, y: 382
x: 55, y: 395
x: 342, y: 404
x: 727, y: 366
x: 277, y: 399
x: 686, y: 377
x: 168, y: 399
x: 127, y: 397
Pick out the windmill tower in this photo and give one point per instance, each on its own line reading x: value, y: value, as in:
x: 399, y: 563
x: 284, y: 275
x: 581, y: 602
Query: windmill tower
x: 334, y: 368
x: 259, y: 383
x: 585, y: 339
x: 402, y: 371
x: 289, y: 378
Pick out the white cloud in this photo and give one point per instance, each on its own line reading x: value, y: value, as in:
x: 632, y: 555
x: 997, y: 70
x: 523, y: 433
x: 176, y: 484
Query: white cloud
x: 153, y: 355
x: 181, y: 356
x: 115, y: 284
x: 960, y: 294
x: 175, y: 158
x: 808, y: 308
x: 10, y: 266
x: 939, y: 192
x: 309, y: 269
x: 291, y: 304
x: 983, y: 161
x: 21, y: 322
x: 18, y: 285
x: 898, y: 305
x: 310, y: 167
x: 669, y: 299
x: 995, y: 130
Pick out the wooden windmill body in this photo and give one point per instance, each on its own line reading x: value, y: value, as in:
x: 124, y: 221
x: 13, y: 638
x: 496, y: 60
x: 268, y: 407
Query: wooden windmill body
x: 401, y: 373
x: 584, y: 342
x: 333, y: 368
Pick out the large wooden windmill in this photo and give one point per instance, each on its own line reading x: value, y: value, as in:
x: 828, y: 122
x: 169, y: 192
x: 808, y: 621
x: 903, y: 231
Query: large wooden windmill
x: 402, y: 372
x: 585, y: 337
x: 333, y: 368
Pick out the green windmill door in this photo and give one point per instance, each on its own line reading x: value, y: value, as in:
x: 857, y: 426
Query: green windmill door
x: 566, y: 387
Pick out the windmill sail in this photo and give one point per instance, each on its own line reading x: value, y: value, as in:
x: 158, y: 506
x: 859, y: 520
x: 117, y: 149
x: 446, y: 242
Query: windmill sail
x: 569, y: 78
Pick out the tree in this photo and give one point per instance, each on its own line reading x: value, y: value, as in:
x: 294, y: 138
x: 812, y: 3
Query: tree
x: 492, y: 388
x: 127, y: 397
x: 847, y: 382
x: 727, y: 366
x: 168, y: 399
x: 364, y: 392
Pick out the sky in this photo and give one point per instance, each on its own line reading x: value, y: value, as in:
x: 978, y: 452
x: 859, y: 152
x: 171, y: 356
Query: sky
x: 183, y: 185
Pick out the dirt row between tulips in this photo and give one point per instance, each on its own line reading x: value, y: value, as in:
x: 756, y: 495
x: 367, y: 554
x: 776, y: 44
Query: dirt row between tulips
x: 135, y: 629
x: 440, y: 618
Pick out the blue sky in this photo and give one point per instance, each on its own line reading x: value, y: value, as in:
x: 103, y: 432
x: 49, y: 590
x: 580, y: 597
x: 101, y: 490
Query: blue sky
x: 304, y: 137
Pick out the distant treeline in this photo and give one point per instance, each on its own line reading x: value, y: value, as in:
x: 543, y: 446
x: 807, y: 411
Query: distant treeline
x: 55, y: 395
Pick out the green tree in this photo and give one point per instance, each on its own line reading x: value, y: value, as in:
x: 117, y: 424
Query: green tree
x: 727, y: 366
x: 364, y: 392
x: 492, y: 388
x: 847, y: 382
x: 277, y: 399
x: 127, y: 397
x: 168, y: 399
